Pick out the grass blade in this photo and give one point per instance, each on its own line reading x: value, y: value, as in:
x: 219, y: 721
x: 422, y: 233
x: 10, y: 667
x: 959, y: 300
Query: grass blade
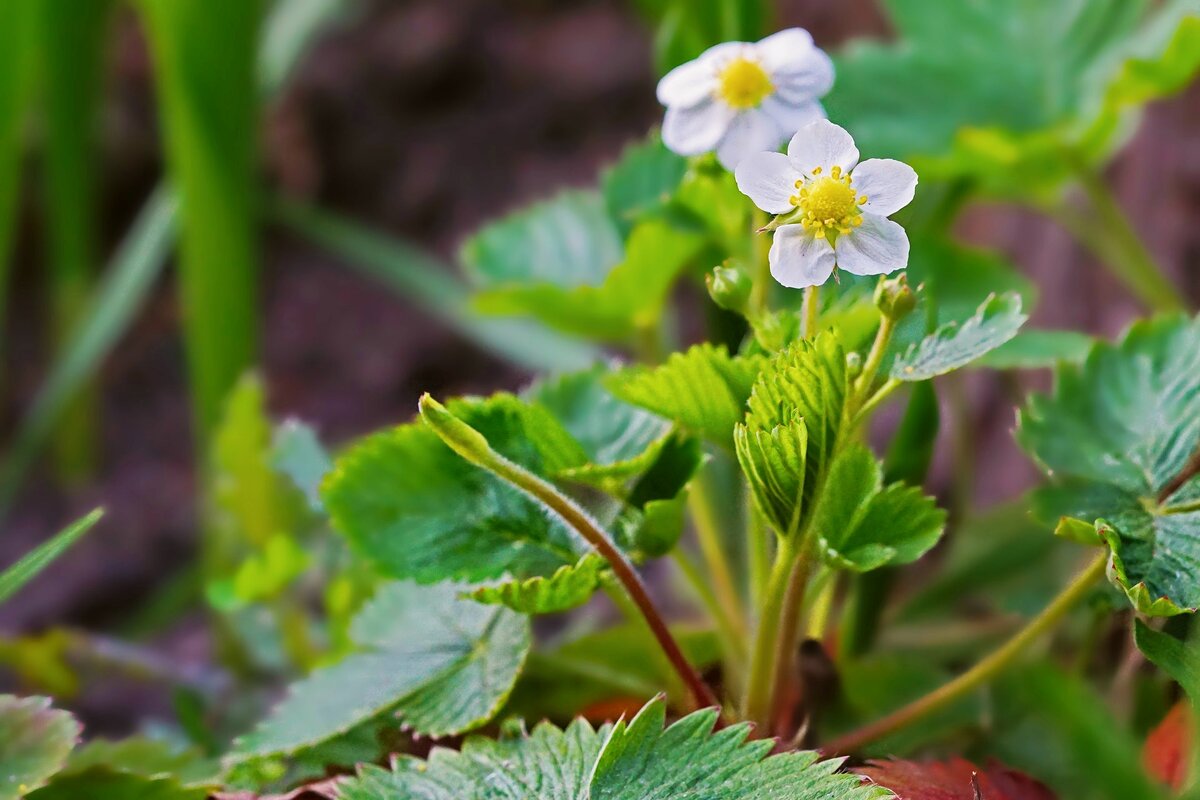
x: 21, y: 573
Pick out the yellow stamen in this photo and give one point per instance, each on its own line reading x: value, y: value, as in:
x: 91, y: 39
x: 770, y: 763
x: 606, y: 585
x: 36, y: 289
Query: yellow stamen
x: 829, y: 206
x: 743, y: 83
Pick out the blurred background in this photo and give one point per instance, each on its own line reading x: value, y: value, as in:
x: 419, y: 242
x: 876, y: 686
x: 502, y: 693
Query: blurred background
x: 418, y: 120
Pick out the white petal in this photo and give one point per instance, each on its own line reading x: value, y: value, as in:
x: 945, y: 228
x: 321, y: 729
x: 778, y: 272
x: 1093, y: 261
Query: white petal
x: 876, y: 247
x: 888, y: 184
x: 779, y: 50
x: 695, y: 130
x: 769, y: 180
x: 822, y: 144
x: 807, y: 77
x: 750, y: 132
x: 791, y: 117
x: 687, y: 84
x: 799, y: 259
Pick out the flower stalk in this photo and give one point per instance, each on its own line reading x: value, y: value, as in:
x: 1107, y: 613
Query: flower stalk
x: 474, y: 447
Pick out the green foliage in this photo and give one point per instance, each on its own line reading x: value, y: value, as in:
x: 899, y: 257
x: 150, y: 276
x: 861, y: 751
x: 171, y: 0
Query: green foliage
x: 441, y: 663
x: 864, y: 525
x: 1034, y: 349
x: 569, y: 586
x: 149, y: 758
x: 298, y: 454
x: 35, y: 740
x: 635, y: 759
x: 1116, y: 434
x: 704, y: 389
x: 641, y: 182
x: 25, y: 570
x: 18, y: 49
x: 1178, y: 658
x: 955, y: 345
x: 101, y: 783
x: 686, y: 28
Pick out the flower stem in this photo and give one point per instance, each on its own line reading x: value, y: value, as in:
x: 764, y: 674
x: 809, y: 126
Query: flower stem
x: 709, y: 537
x: 784, y: 655
x: 810, y: 311
x: 473, y: 446
x: 883, y: 336
x: 756, y: 706
x: 983, y: 672
x: 760, y: 292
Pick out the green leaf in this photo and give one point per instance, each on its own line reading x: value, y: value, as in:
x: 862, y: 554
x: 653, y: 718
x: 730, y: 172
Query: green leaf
x: 630, y: 298
x: 1036, y: 349
x: 25, y: 570
x: 704, y: 390
x: 1179, y: 659
x: 1162, y: 58
x: 149, y: 758
x: 641, y: 182
x: 571, y: 585
x: 629, y: 761
x: 567, y: 242
x: 35, y: 741
x: 297, y: 452
x: 100, y: 783
x: 955, y: 345
x: 442, y: 663
x: 863, y: 526
x: 413, y: 508
x: 1115, y: 434
x: 792, y: 430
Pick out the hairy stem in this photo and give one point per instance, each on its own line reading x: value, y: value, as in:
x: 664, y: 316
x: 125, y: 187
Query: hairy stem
x: 473, y: 446
x: 866, y: 380
x: 784, y: 656
x: 983, y: 672
x: 810, y: 311
x: 760, y: 292
x: 757, y: 704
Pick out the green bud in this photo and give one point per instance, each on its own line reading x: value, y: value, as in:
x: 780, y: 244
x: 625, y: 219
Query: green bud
x: 458, y: 435
x: 854, y: 364
x: 729, y: 287
x: 893, y: 297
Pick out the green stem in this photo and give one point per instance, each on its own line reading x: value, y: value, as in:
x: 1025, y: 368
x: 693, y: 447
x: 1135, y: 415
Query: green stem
x: 708, y: 535
x: 733, y: 636
x: 760, y: 292
x: 983, y: 672
x: 760, y: 556
x: 866, y: 380
x: 784, y: 656
x: 757, y: 704
x: 810, y: 311
x: 473, y: 446
x: 822, y: 607
x: 1113, y: 240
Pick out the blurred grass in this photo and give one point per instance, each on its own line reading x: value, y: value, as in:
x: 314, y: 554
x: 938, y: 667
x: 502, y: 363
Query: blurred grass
x: 205, y: 59
x: 71, y: 45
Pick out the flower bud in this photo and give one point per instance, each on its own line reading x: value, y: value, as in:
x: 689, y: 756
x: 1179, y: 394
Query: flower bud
x: 729, y: 287
x: 854, y: 365
x: 894, y: 298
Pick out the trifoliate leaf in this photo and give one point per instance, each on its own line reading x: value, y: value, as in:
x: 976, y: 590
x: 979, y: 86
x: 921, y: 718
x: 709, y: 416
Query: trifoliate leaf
x: 642, y: 181
x: 955, y: 345
x: 955, y: 779
x: 704, y: 389
x: 568, y: 241
x: 1036, y: 349
x: 629, y: 300
x: 638, y: 760
x: 793, y: 428
x: 416, y: 510
x: 442, y: 663
x: 32, y: 563
x: 863, y: 525
x: 35, y: 741
x: 571, y: 585
x: 1115, y: 435
x: 100, y: 783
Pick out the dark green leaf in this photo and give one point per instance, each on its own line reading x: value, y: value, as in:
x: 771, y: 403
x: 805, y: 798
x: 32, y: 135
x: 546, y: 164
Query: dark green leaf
x: 642, y: 181
x: 100, y: 783
x: 1179, y: 659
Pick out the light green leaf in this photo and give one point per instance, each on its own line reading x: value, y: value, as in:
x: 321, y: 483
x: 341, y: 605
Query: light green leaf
x: 567, y: 242
x: 100, y: 783
x: 630, y: 298
x: 704, y: 389
x: 138, y: 755
x: 442, y: 663
x: 571, y: 585
x: 641, y: 182
x: 412, y: 507
x: 35, y: 741
x: 1162, y: 58
x: 803, y: 389
x: 297, y: 452
x: 1115, y: 435
x: 1036, y: 349
x: 25, y: 570
x: 1179, y: 659
x: 638, y: 760
x: 955, y: 345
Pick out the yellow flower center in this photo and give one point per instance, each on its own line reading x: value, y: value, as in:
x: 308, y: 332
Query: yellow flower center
x: 828, y: 204
x: 744, y: 83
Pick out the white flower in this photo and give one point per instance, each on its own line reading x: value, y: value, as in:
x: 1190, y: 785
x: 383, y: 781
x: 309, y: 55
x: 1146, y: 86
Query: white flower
x: 740, y: 98
x: 833, y: 213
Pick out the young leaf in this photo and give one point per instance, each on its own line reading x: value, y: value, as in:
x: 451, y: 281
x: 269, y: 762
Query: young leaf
x: 773, y: 461
x: 101, y: 783
x: 1116, y: 434
x: 25, y: 570
x: 638, y: 760
x: 413, y: 508
x: 704, y: 390
x: 863, y: 525
x: 35, y: 741
x: 955, y: 345
x: 442, y: 663
x: 955, y: 779
x: 571, y: 585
